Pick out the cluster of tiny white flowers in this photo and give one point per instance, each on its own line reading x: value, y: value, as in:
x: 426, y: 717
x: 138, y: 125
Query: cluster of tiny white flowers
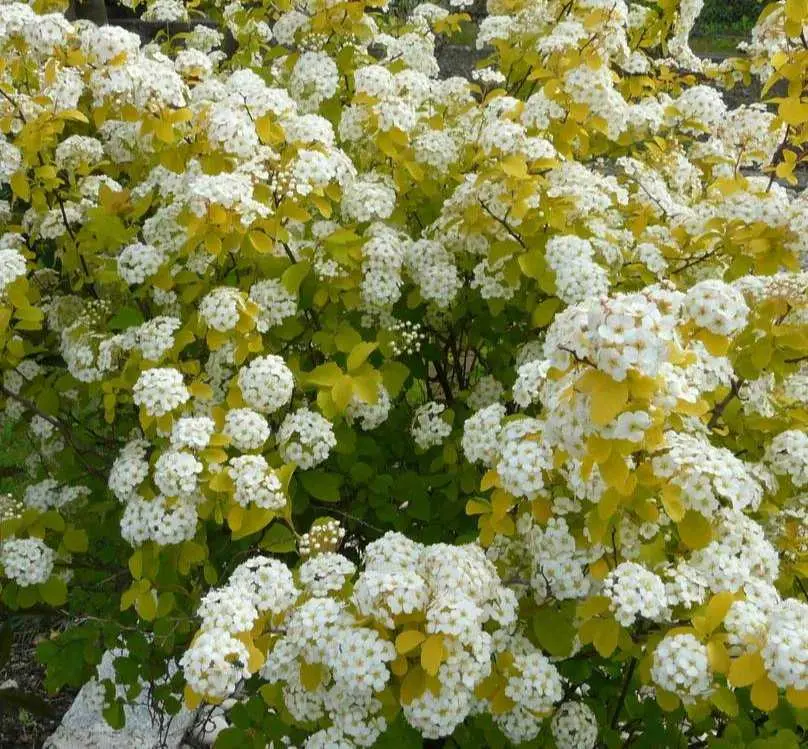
x: 305, y: 438
x: 716, y: 306
x: 137, y: 262
x: 787, y: 455
x: 635, y: 591
x: 480, y: 440
x: 323, y: 536
x: 266, y: 383
x: 786, y: 650
x: 275, y: 303
x: 574, y: 726
x: 192, y: 432
x: 26, y: 561
x: 429, y: 428
x: 159, y: 391
x: 370, y: 415
x: 256, y: 483
x: 176, y: 473
x: 163, y: 520
x: 681, y: 666
x: 247, y: 429
x: 221, y: 308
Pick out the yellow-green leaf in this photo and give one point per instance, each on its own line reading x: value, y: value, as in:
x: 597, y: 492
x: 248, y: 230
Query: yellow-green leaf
x: 746, y: 670
x: 695, y: 530
x: 409, y: 640
x: 432, y: 654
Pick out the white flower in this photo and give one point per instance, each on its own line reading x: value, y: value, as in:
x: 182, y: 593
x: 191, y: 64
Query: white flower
x: 681, y: 665
x: 305, y: 438
x: 159, y: 391
x: 266, y: 383
x: 26, y: 561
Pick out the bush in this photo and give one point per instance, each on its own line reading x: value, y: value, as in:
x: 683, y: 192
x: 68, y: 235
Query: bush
x: 727, y: 18
x: 387, y: 408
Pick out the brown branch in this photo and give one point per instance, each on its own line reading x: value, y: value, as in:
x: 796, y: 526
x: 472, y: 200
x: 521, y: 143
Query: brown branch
x: 58, y: 424
x: 719, y: 407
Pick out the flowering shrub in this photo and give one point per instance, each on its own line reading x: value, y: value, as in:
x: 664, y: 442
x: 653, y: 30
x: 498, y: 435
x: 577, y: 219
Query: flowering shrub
x: 379, y: 406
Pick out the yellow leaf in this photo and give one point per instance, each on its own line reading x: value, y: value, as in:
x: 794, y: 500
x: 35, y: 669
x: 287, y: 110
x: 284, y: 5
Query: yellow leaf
x: 489, y: 480
x: 718, y: 656
x: 201, y: 390
x: 221, y: 482
x: 359, y: 354
x: 746, y: 670
x: 501, y: 703
x: 192, y: 699
x: 607, y: 396
x: 235, y: 517
x: 409, y: 640
x: 717, y: 609
x: 695, y: 530
x: 342, y: 392
x: 477, y: 506
x: 793, y: 111
x: 606, y: 636
x: 252, y: 520
x: 671, y: 501
x: 19, y: 184
x: 366, y: 387
x: 399, y: 666
x: 432, y: 654
x: 764, y: 694
x: 413, y: 685
x: 311, y: 675
x: 615, y: 473
x: 797, y: 697
x: 261, y: 242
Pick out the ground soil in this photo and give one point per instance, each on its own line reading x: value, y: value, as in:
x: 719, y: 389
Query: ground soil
x: 22, y: 728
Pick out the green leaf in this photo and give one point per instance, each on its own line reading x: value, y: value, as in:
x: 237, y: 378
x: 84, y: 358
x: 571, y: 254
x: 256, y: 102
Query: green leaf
x: 321, y: 485
x: 53, y: 591
x: 394, y: 375
x: 75, y: 540
x: 279, y: 539
x: 124, y: 318
x: 293, y: 276
x: 554, y: 630
x: 114, y: 715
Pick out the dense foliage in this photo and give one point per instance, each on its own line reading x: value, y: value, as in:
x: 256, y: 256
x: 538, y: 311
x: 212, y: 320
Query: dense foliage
x: 384, y: 407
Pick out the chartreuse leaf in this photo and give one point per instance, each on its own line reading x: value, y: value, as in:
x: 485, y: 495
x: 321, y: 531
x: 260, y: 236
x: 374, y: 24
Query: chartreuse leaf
x: 695, y: 530
x: 764, y: 694
x: 408, y: 640
x: 432, y: 654
x: 746, y: 670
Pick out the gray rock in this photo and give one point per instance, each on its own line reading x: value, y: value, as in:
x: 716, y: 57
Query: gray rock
x: 84, y: 727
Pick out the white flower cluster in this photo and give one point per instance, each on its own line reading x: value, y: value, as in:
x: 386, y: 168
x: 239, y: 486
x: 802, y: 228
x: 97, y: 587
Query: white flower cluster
x: 634, y: 591
x: 575, y: 726
x: 266, y: 383
x: 429, y: 427
x: 334, y: 653
x: 305, y: 438
x: 256, y: 483
x: 370, y: 415
x: 26, y: 561
x: 159, y: 391
x: 681, y: 666
x: 325, y: 535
